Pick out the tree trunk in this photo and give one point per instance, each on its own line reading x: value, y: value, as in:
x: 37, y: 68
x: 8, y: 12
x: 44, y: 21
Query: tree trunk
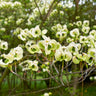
x: 75, y: 79
x: 6, y: 72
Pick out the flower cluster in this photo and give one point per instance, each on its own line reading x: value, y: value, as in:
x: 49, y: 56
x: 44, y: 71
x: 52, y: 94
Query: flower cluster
x: 27, y: 34
x: 36, y: 14
x: 6, y: 21
x: 14, y: 54
x: 29, y: 65
x: 32, y: 47
x: 48, y: 45
x: 84, y: 26
x: 5, y: 5
x: 61, y: 55
x: 66, y: 52
x: 61, y: 31
x: 74, y: 50
x: 66, y: 5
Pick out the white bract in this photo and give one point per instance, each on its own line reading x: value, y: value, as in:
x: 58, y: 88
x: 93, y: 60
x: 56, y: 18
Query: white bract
x: 59, y: 55
x: 2, y: 64
x: 22, y: 36
x: 75, y: 60
x: 92, y: 52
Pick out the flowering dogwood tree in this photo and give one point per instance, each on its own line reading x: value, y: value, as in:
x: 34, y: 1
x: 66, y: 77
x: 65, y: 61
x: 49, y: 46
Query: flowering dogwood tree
x: 58, y: 51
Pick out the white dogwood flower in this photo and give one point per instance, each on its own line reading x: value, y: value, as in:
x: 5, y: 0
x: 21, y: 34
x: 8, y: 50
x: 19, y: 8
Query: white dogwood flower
x: 3, y: 45
x: 30, y: 43
x: 43, y: 33
x: 61, y: 35
x: 58, y: 34
x: 85, y: 56
x: 90, y: 41
x: 34, y: 49
x: 74, y: 32
x: 59, y: 26
x: 79, y: 23
x: 86, y: 23
x: 59, y: 55
x: 72, y: 47
x: 14, y: 54
x: 8, y: 57
x: 16, y: 4
x: 67, y: 56
x: 85, y: 29
x: 36, y: 32
x: 92, y: 52
x: 19, y: 21
x: 83, y: 39
x: 93, y: 34
x: 18, y: 53
x: 22, y: 36
x: 75, y: 60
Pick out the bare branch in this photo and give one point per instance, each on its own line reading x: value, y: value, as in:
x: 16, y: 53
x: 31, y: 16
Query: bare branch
x: 38, y: 90
x: 49, y: 11
x: 38, y: 9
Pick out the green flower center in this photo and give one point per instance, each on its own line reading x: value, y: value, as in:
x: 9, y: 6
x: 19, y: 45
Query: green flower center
x: 33, y: 49
x: 73, y: 49
x: 33, y: 66
x: 49, y: 47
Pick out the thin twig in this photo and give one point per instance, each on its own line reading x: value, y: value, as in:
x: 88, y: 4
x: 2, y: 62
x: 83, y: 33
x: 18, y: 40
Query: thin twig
x: 38, y: 90
x: 38, y: 9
